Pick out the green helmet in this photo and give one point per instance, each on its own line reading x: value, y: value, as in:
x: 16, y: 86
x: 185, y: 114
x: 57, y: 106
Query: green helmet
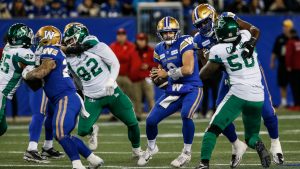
x: 226, y: 29
x: 75, y: 34
x: 20, y: 35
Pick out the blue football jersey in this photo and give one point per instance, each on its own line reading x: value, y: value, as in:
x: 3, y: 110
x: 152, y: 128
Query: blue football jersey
x: 58, y: 83
x: 172, y: 58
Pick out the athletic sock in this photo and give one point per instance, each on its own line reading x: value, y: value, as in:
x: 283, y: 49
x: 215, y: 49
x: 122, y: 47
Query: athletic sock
x: 32, y: 146
x: 151, y: 144
x: 187, y: 147
x: 81, y: 147
x: 77, y: 164
x: 208, y: 144
x: 134, y: 135
x: 48, y: 144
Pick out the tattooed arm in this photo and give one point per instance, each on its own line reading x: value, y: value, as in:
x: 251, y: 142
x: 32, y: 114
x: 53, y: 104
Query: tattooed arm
x: 40, y: 72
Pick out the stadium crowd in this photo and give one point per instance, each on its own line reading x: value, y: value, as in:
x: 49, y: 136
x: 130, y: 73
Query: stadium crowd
x: 117, y: 8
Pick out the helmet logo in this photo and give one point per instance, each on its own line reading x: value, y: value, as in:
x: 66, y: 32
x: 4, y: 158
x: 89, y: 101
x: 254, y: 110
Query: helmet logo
x: 49, y: 34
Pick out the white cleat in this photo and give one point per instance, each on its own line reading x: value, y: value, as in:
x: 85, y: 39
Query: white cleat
x: 147, y: 155
x: 183, y: 159
x: 238, y: 150
x: 96, y: 164
x: 276, y: 151
x: 93, y: 138
x: 137, y: 152
x: 81, y: 167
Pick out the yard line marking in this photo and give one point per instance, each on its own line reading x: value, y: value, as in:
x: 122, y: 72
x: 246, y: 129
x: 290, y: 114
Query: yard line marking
x: 169, y: 135
x: 165, y: 152
x: 167, y: 121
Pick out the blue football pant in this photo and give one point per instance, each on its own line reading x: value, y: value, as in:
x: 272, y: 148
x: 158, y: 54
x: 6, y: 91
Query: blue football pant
x: 188, y: 103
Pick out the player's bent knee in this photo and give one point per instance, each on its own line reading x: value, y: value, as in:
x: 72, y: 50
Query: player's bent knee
x: 215, y: 129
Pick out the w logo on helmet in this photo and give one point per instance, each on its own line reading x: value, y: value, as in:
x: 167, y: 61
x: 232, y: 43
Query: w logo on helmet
x: 49, y: 34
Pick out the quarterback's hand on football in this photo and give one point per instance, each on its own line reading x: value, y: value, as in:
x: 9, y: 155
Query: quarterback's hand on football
x: 162, y: 73
x: 249, y: 48
x: 109, y: 87
x: 26, y: 70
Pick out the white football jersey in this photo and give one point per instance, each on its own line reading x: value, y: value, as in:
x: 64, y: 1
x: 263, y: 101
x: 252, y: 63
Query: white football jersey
x: 244, y: 74
x: 10, y: 70
x: 93, y: 68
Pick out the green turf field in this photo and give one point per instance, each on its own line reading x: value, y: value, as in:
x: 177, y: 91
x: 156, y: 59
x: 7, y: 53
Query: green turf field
x: 114, y: 146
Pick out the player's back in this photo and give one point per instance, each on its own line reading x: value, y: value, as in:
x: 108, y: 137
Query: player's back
x: 10, y: 70
x: 171, y: 58
x: 244, y: 73
x: 58, y: 83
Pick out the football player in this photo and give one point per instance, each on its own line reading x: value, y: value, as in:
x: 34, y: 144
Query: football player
x: 245, y: 95
x: 97, y: 68
x: 61, y: 92
x: 40, y: 109
x: 178, y: 63
x: 16, y: 55
x: 203, y: 18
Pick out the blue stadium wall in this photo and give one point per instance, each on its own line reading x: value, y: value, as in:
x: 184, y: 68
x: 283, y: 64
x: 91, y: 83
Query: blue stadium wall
x: 106, y: 28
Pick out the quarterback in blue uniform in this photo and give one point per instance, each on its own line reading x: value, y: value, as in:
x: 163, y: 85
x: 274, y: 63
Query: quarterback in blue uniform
x: 178, y: 63
x: 203, y: 17
x: 61, y: 92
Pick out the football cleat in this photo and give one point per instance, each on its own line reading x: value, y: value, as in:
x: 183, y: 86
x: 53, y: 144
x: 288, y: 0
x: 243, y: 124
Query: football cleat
x: 147, y: 155
x: 34, y: 156
x: 238, y: 150
x: 183, y: 159
x: 263, y: 153
x: 202, y: 166
x: 96, y: 164
x: 276, y: 151
x: 93, y: 138
x: 82, y: 167
x: 52, y: 153
x: 137, y: 152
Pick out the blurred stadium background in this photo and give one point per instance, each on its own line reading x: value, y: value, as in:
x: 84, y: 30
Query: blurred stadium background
x: 105, y: 17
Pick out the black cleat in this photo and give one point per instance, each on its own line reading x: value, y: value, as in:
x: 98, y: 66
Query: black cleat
x: 52, y: 153
x: 263, y: 154
x: 34, y: 156
x: 202, y: 166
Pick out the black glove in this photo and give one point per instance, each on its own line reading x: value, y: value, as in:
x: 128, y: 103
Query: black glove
x: 249, y: 48
x: 77, y: 49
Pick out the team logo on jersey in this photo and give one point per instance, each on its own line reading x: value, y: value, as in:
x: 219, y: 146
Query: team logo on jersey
x: 49, y: 34
x: 176, y: 87
x: 162, y: 56
x: 174, y: 52
x: 205, y: 43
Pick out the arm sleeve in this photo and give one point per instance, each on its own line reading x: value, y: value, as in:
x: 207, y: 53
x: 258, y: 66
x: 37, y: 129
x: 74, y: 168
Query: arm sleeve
x: 109, y: 58
x: 186, y: 44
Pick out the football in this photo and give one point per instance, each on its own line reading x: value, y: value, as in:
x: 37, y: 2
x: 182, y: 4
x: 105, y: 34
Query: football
x: 161, y: 83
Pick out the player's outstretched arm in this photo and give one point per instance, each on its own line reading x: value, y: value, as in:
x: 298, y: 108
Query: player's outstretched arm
x: 248, y: 26
x: 40, y: 72
x: 208, y: 70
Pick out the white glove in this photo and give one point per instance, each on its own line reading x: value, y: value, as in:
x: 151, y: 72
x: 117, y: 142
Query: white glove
x: 26, y: 70
x: 109, y: 87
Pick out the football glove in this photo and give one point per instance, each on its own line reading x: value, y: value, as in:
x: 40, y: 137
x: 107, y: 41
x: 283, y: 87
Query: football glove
x: 249, y: 48
x: 26, y: 70
x: 109, y: 87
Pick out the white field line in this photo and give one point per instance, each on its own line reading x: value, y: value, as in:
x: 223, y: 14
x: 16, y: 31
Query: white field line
x: 296, y: 163
x: 168, y: 135
x: 167, y: 121
x: 159, y: 153
x: 159, y: 142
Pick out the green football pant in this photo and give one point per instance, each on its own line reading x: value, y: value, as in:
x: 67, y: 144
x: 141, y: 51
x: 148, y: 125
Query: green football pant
x: 228, y: 110
x: 3, y: 124
x: 120, y: 106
